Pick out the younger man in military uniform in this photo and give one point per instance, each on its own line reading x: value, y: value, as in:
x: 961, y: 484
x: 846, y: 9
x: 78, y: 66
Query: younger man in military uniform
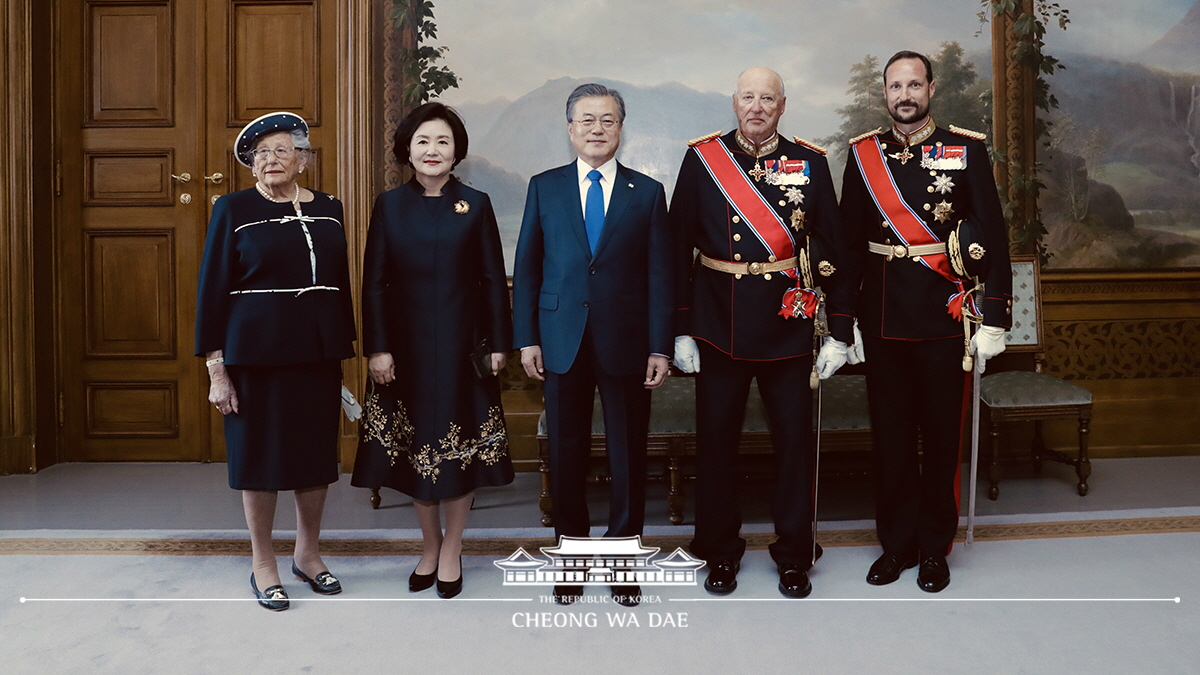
x: 904, y: 195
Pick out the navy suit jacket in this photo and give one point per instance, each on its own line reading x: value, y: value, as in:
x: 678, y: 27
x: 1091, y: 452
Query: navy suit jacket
x: 623, y: 294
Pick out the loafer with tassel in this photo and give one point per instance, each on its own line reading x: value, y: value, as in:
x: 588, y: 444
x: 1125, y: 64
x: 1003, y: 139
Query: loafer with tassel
x: 274, y: 598
x: 325, y: 583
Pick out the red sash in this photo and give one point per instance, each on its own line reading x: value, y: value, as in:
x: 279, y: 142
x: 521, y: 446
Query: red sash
x: 759, y: 216
x: 910, y: 228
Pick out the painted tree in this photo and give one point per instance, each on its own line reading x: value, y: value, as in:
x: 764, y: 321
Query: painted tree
x: 423, y: 79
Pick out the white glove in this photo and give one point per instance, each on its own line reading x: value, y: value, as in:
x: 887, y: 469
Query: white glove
x: 687, y: 356
x: 856, y: 355
x: 832, y: 356
x: 987, y: 342
x: 350, y: 405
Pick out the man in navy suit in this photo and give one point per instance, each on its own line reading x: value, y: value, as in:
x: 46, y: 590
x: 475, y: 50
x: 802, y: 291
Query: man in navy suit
x: 592, y: 308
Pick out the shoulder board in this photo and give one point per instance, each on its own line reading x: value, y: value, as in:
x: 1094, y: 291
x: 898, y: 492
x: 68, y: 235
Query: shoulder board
x: 702, y: 139
x: 968, y: 133
x: 811, y: 146
x: 863, y: 137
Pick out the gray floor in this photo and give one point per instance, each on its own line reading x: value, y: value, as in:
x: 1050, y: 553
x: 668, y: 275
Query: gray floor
x: 1097, y: 605
x: 196, y: 497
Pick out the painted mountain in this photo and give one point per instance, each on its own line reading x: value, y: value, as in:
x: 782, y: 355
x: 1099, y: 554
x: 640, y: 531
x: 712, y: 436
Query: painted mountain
x: 1123, y: 170
x: 511, y: 142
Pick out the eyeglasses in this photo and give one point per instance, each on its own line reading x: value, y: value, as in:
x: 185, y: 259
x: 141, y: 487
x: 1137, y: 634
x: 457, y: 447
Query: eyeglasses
x: 606, y: 123
x: 282, y: 152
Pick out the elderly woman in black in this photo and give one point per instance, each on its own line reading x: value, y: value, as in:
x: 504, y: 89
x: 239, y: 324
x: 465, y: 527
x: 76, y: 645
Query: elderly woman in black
x: 435, y: 299
x: 274, y: 320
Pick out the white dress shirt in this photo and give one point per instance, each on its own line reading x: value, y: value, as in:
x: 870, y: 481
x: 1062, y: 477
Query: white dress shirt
x: 608, y: 174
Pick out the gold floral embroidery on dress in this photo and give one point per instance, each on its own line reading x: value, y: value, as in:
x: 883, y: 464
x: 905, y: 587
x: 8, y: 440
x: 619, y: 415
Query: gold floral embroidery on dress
x: 394, y: 433
x: 489, y: 446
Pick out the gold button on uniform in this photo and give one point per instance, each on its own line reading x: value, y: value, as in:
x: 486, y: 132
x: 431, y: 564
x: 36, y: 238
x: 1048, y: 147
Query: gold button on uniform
x: 927, y: 207
x: 737, y: 256
x: 736, y: 220
x: 783, y: 202
x: 737, y: 276
x: 932, y: 173
x: 886, y: 224
x: 767, y: 276
x: 737, y: 237
x: 929, y: 189
x: 916, y: 258
x: 771, y: 258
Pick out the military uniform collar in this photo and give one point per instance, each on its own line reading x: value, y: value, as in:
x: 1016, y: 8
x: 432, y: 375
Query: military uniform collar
x: 909, y: 140
x: 757, y: 151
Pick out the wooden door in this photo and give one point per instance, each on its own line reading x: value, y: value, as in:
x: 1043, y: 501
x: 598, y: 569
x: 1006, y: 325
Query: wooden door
x: 151, y: 94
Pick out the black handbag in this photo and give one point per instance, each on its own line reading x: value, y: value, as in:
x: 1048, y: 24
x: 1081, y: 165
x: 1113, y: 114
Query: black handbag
x: 481, y: 360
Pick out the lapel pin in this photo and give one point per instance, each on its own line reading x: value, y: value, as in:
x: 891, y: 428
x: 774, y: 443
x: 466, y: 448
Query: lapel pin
x: 461, y: 206
x: 631, y: 185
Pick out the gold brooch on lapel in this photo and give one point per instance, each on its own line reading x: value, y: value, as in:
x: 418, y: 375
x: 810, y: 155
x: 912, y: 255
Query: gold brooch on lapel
x: 461, y: 206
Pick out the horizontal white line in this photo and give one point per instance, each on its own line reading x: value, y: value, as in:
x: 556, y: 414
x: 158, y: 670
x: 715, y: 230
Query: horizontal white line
x: 1174, y: 600
x: 25, y: 600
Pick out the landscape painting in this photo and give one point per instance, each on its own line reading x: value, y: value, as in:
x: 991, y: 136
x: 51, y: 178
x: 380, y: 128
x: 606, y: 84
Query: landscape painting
x: 1122, y: 164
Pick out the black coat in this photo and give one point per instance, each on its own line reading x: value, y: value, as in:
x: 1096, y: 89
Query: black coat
x: 741, y: 316
x: 904, y: 299
x: 253, y: 245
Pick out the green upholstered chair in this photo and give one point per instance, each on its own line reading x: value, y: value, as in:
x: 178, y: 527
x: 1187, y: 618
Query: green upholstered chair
x: 1033, y: 396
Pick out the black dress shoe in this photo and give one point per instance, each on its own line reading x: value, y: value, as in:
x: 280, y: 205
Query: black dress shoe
x: 274, y: 598
x: 565, y: 595
x: 325, y: 583
x: 626, y: 596
x: 793, y: 581
x: 887, y: 568
x: 722, y: 576
x: 420, y: 582
x: 934, y: 574
x: 449, y: 589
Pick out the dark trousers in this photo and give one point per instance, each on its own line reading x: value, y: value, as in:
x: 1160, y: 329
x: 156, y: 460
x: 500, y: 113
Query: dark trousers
x: 917, y: 387
x: 722, y: 386
x: 626, y: 405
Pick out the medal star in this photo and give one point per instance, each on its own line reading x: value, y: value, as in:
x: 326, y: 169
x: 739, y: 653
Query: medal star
x: 943, y: 184
x: 797, y: 220
x: 794, y: 196
x: 942, y: 211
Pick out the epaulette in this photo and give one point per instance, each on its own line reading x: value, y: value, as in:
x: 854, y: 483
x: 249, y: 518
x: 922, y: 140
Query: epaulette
x: 811, y: 146
x: 862, y: 137
x: 709, y: 137
x: 968, y: 133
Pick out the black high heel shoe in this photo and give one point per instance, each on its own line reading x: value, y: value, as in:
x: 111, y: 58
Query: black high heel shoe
x: 420, y: 582
x: 449, y: 589
x: 274, y: 598
x: 325, y: 583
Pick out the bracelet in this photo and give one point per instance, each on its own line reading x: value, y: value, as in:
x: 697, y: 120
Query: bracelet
x: 212, y: 362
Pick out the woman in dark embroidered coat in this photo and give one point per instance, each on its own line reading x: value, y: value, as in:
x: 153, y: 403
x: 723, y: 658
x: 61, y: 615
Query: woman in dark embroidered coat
x: 274, y: 320
x: 434, y: 289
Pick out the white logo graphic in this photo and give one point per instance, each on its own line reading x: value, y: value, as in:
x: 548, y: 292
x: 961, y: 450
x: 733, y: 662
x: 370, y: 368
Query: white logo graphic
x: 599, y: 560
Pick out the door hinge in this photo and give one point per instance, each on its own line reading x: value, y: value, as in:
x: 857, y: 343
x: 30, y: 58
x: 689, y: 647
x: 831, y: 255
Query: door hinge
x: 62, y: 409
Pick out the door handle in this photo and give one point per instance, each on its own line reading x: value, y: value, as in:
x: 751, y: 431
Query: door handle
x: 216, y: 178
x: 183, y: 177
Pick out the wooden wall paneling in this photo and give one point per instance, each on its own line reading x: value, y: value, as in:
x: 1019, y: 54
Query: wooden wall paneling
x: 130, y: 54
x: 123, y: 324
x: 124, y: 409
x: 1132, y: 338
x: 274, y: 60
x: 128, y: 177
x: 17, y: 373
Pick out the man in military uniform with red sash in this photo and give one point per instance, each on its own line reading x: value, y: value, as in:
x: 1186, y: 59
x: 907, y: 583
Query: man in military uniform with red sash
x: 753, y: 204
x: 922, y: 221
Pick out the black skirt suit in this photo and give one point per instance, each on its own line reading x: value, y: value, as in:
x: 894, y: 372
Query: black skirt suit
x: 274, y: 294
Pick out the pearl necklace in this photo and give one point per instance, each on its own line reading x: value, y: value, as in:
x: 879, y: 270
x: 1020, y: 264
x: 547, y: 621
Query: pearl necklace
x: 295, y: 200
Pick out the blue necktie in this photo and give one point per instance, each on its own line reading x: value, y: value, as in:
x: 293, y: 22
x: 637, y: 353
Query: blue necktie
x: 593, y: 213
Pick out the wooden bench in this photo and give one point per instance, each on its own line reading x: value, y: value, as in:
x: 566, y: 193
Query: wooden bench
x: 672, y: 438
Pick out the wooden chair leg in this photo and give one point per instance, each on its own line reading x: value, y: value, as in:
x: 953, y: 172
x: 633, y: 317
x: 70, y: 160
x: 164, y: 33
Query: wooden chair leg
x: 675, y: 479
x: 544, y: 501
x: 994, y: 462
x: 375, y: 498
x: 1083, y: 466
